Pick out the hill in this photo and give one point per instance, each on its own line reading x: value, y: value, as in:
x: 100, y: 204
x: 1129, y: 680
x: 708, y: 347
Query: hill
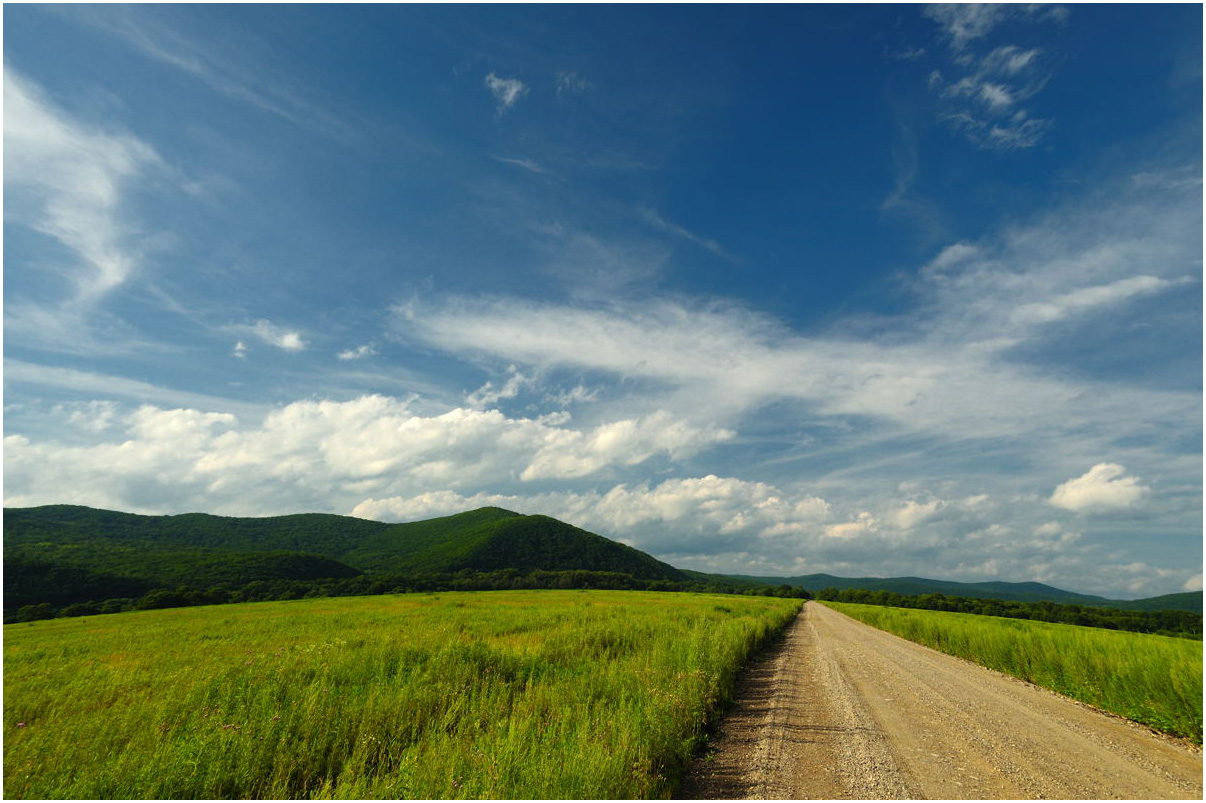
x: 1013, y: 592
x: 1186, y: 601
x: 63, y: 553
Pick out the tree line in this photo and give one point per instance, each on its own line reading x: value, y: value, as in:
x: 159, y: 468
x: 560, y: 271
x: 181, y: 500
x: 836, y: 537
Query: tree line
x: 1185, y: 624
x: 368, y: 585
x: 134, y: 596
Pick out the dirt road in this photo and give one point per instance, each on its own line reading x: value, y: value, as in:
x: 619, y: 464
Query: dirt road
x: 843, y: 710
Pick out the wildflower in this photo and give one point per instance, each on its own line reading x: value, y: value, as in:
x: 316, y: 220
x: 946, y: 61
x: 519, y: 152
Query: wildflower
x: 20, y: 724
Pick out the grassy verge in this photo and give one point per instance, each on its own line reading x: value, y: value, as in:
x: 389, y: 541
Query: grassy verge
x: 1155, y: 680
x: 536, y: 694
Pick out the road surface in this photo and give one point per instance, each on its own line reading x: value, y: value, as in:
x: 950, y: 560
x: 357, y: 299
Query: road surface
x: 845, y: 711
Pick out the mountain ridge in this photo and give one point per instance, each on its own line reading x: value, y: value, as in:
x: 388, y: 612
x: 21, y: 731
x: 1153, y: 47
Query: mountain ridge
x: 88, y: 549
x: 75, y: 538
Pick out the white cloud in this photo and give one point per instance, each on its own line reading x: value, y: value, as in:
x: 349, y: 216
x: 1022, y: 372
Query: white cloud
x: 626, y: 442
x: 278, y: 336
x: 571, y: 82
x: 487, y: 395
x: 1048, y: 529
x: 95, y: 416
x: 914, y: 513
x: 594, y: 267
x: 24, y: 374
x: 951, y: 256
x: 965, y: 387
x: 335, y: 453
x: 984, y: 102
x: 1102, y: 488
x: 677, y: 511
x: 905, y: 53
x: 72, y: 182
x: 996, y: 96
x: 1088, y: 298
x: 506, y: 91
x: 862, y: 525
x: 239, y: 350
x: 1009, y: 60
x: 358, y: 353
x: 579, y: 394
x: 1019, y: 132
x: 377, y: 458
x: 526, y: 164
x: 726, y: 362
x: 236, y: 64
x: 1193, y: 584
x: 657, y: 221
x: 965, y: 22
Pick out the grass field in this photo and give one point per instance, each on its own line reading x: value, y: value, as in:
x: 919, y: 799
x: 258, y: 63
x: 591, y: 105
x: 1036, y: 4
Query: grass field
x: 524, y: 694
x: 1155, y: 680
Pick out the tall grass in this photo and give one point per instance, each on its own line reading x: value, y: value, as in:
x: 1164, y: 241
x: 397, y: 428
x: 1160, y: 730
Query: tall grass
x: 471, y: 695
x: 1155, y: 680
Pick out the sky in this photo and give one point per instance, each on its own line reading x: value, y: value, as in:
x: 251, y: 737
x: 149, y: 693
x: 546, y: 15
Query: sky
x: 774, y: 290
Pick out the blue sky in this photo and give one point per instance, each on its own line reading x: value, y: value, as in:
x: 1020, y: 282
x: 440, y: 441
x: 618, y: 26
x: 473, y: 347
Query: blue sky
x: 868, y: 290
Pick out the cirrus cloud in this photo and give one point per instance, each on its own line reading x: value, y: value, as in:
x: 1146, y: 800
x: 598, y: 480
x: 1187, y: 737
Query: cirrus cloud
x: 72, y: 182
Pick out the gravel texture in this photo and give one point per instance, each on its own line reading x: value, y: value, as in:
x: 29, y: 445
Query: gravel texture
x: 844, y: 711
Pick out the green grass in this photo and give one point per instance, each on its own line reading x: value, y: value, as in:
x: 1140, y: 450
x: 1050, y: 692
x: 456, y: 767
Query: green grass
x: 532, y: 694
x: 1154, y: 680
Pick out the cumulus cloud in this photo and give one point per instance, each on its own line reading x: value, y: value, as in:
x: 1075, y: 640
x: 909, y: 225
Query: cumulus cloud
x: 333, y: 454
x: 72, y: 182
x: 1102, y: 488
x: 378, y: 458
x: 506, y: 91
x: 628, y: 442
x: 676, y: 515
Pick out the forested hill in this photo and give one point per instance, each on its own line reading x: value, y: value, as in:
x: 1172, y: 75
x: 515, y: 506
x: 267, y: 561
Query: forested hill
x: 64, y: 553
x: 1014, y: 592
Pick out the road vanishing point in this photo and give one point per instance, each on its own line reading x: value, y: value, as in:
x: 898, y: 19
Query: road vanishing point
x: 841, y: 710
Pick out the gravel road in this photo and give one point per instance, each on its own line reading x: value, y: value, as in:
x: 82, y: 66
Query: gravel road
x: 844, y: 711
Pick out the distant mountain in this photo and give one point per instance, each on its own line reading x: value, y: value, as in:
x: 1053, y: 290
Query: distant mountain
x: 65, y: 552
x: 1186, y: 601
x: 1018, y: 592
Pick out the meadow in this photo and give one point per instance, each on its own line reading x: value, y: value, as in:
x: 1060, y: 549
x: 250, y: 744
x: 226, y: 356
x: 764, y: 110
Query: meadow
x: 507, y: 694
x: 1151, y: 679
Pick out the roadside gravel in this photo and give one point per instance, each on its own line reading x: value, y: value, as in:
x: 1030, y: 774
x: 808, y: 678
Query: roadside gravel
x: 844, y: 711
